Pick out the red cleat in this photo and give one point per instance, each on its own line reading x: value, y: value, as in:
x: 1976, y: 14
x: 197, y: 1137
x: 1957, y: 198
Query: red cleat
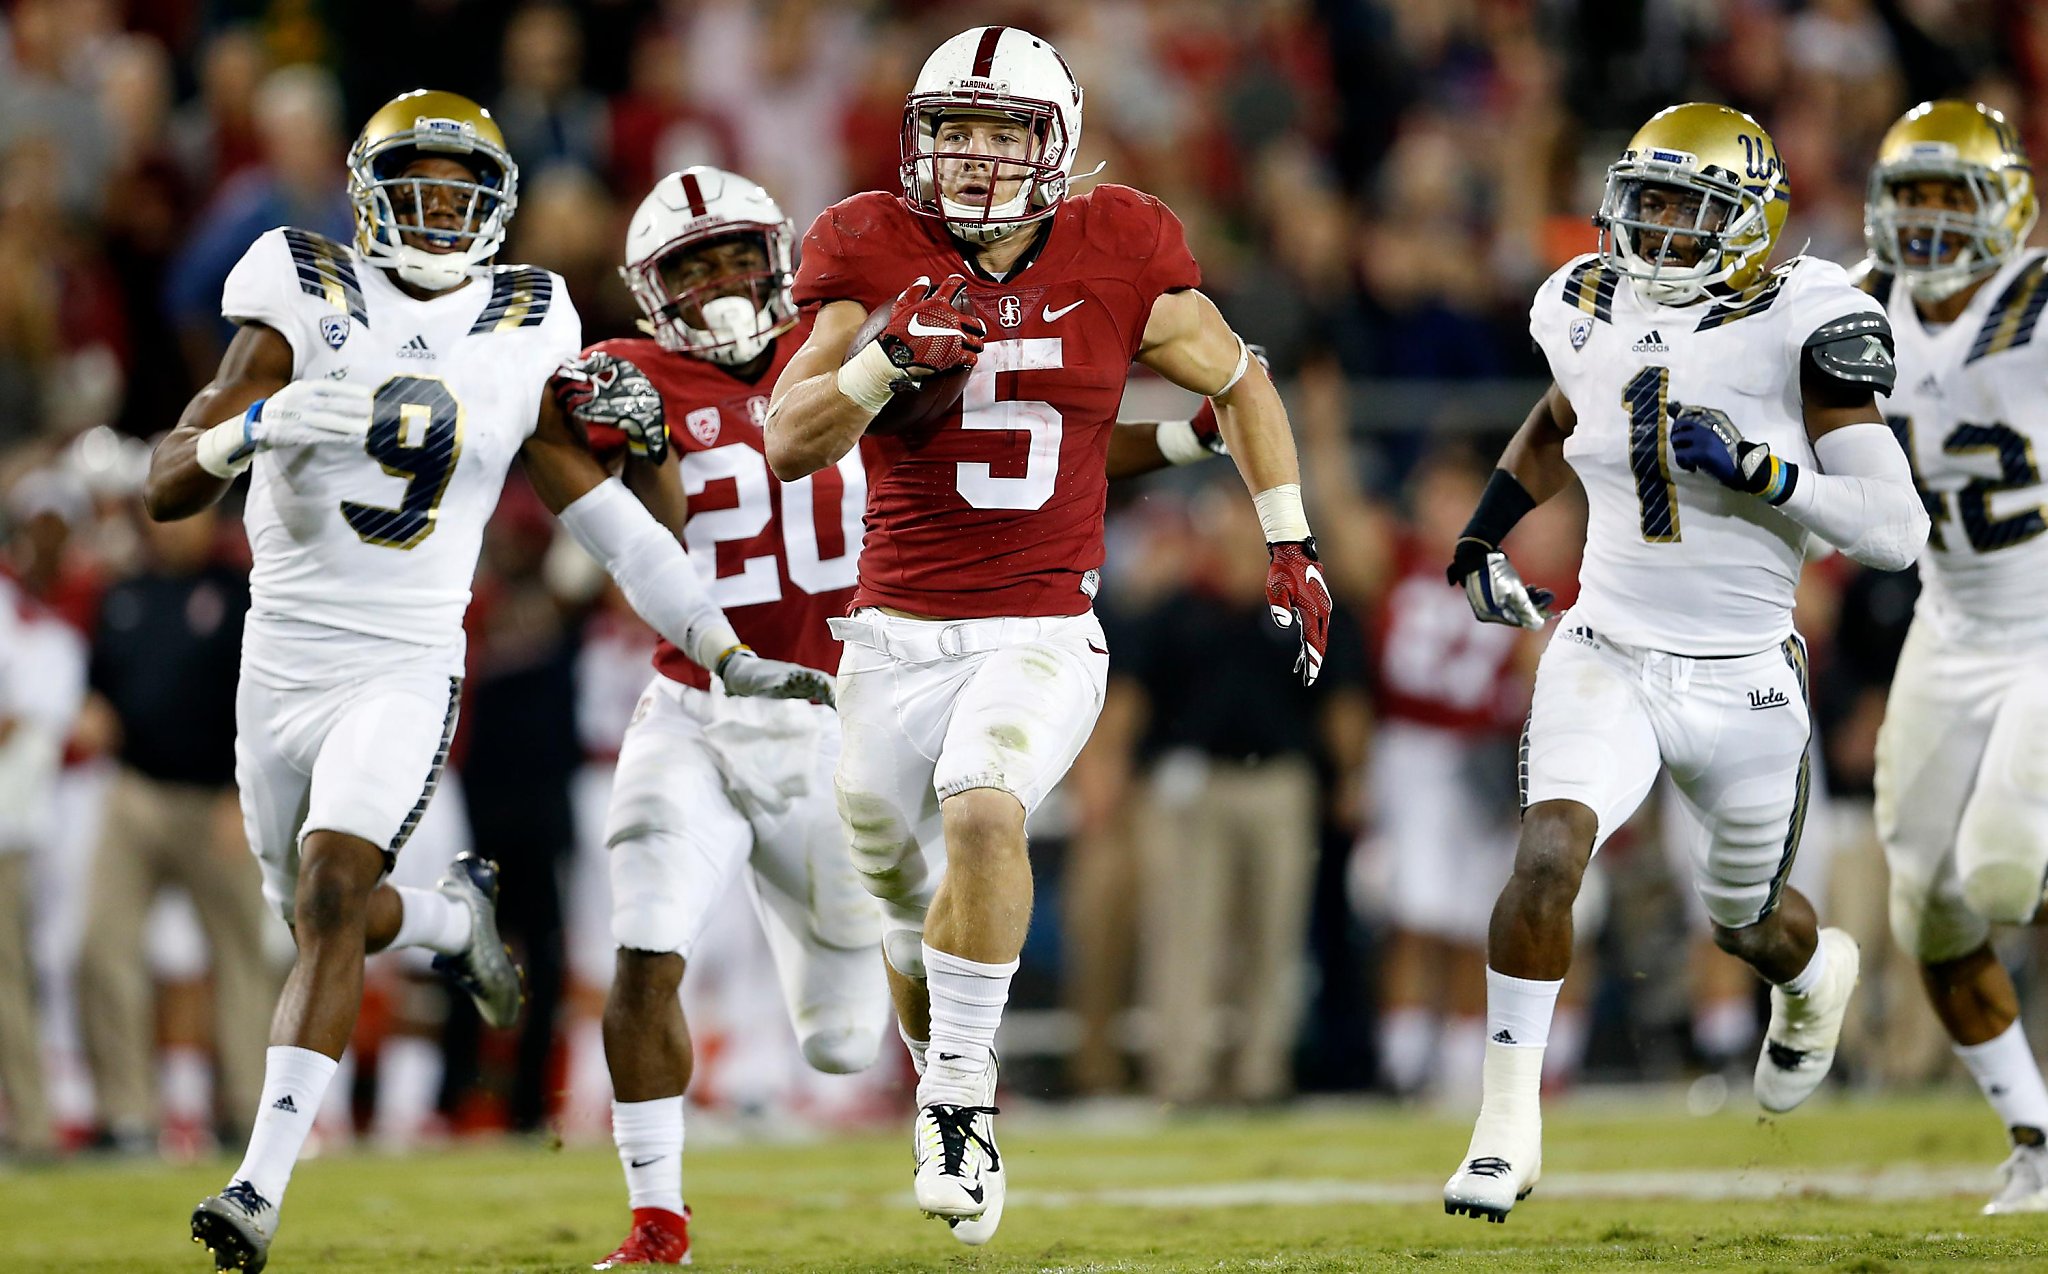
x: 659, y: 1237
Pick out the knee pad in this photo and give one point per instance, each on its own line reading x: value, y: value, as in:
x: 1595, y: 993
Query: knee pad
x: 1931, y: 927
x: 841, y: 1050
x: 884, y: 849
x: 2006, y: 893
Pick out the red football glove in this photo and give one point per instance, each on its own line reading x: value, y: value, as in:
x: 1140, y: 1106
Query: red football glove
x: 933, y: 329
x: 1300, y: 598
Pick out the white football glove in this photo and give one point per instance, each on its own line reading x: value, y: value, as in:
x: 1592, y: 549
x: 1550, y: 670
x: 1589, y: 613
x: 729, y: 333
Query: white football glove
x: 303, y: 413
x: 749, y: 676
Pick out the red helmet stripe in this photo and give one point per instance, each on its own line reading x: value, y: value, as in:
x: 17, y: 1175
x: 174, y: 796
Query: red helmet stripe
x: 694, y: 193
x: 985, y: 54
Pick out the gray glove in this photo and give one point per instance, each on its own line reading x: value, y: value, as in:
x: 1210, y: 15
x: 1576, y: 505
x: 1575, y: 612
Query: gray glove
x: 748, y: 676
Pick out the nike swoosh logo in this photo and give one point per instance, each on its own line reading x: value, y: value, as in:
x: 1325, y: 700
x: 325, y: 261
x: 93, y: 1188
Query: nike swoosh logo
x: 976, y: 1193
x: 641, y: 1163
x: 1051, y: 315
x: 1097, y: 649
x: 1316, y: 573
x: 920, y: 329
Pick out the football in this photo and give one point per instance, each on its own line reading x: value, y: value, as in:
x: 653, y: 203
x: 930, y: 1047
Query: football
x: 932, y: 401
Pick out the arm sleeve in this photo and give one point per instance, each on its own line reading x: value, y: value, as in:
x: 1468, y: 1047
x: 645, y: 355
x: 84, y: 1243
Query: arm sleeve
x: 654, y: 573
x: 1861, y: 498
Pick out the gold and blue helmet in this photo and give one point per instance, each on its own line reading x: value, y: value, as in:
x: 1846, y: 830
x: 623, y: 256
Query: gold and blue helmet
x: 1721, y: 195
x: 393, y: 227
x: 1940, y: 245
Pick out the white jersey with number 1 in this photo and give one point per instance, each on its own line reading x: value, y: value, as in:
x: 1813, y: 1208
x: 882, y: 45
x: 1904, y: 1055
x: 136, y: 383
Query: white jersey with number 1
x: 379, y: 540
x: 1675, y: 561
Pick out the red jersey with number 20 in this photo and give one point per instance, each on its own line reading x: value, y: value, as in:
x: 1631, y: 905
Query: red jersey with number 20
x: 998, y: 511
x: 779, y: 556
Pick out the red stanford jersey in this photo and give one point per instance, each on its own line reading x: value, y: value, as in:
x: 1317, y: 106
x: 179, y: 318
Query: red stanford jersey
x: 998, y: 511
x: 1437, y: 665
x: 779, y: 556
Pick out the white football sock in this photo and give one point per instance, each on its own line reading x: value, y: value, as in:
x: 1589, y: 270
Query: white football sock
x: 2005, y: 1069
x: 409, y: 1070
x: 1809, y: 977
x: 967, y: 1005
x: 294, y: 1083
x: 916, y: 1046
x: 649, y: 1135
x: 432, y: 920
x: 1407, y: 1039
x: 1567, y: 1047
x: 1518, y: 1010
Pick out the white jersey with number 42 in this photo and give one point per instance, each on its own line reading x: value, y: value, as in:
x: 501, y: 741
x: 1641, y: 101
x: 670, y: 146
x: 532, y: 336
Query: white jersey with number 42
x: 381, y: 538
x: 1971, y: 410
x: 1675, y: 561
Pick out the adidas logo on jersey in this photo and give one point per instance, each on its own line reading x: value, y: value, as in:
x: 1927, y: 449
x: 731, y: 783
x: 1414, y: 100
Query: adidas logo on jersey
x: 1651, y: 342
x: 1761, y: 699
x: 285, y: 1104
x: 1503, y: 1036
x: 415, y: 348
x: 1930, y: 386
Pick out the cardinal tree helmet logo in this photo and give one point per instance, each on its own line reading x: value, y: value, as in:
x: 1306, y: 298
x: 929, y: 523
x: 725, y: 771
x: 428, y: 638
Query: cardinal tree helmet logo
x: 1010, y: 311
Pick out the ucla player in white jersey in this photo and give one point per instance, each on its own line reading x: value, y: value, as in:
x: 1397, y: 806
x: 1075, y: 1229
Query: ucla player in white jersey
x: 378, y: 393
x: 1721, y: 417
x: 1962, y: 784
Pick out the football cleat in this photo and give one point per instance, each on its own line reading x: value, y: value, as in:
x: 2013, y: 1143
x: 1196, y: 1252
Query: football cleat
x: 658, y: 1237
x: 1799, y: 1045
x: 236, y: 1226
x: 959, y: 1171
x: 2025, y: 1172
x: 486, y: 970
x: 1501, y: 1167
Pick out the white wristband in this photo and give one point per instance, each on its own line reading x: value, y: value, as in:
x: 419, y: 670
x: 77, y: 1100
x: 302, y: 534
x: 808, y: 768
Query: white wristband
x: 866, y: 377
x: 224, y: 450
x: 1280, y: 513
x: 1177, y: 442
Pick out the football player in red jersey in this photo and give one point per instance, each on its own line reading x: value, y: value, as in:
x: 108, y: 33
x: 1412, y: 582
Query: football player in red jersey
x: 973, y: 668
x: 707, y: 783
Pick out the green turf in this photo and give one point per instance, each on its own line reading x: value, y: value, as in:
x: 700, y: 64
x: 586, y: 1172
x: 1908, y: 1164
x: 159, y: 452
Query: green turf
x: 843, y: 1204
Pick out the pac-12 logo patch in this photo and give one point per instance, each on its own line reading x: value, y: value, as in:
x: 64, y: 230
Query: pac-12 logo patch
x: 334, y: 329
x: 1010, y: 311
x: 1581, y: 332
x: 703, y: 425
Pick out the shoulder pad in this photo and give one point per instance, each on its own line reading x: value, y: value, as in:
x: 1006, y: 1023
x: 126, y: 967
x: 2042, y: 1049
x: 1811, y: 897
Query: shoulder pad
x: 1856, y: 348
x: 520, y: 297
x: 1585, y: 285
x: 2014, y: 315
x: 326, y: 270
x: 1120, y: 218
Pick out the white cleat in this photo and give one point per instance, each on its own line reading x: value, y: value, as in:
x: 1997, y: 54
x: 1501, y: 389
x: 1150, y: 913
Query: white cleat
x: 486, y: 970
x: 236, y: 1226
x: 1799, y: 1046
x: 2025, y: 1172
x: 959, y: 1171
x: 1501, y: 1167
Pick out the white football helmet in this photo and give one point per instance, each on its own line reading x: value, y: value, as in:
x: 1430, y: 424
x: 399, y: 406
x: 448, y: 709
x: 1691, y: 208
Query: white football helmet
x: 1004, y: 72
x: 728, y: 317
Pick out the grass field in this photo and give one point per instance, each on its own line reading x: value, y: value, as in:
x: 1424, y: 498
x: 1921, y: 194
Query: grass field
x: 1628, y: 1184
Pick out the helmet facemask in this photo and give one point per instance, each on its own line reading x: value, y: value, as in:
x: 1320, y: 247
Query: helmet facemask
x: 724, y: 315
x: 1721, y: 228
x: 1940, y: 251
x: 982, y: 191
x: 396, y: 213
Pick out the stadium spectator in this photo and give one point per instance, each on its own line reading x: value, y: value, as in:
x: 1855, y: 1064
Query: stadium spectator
x: 548, y: 117
x: 164, y: 663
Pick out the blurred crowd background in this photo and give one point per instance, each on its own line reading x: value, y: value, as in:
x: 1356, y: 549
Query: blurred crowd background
x: 1247, y: 890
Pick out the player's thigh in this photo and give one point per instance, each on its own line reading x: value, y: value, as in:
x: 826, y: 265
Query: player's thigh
x: 2002, y: 846
x: 272, y: 787
x: 799, y: 853
x: 380, y: 761
x: 1745, y: 770
x: 1025, y: 713
x: 891, y: 724
x: 674, y: 837
x: 1590, y: 737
